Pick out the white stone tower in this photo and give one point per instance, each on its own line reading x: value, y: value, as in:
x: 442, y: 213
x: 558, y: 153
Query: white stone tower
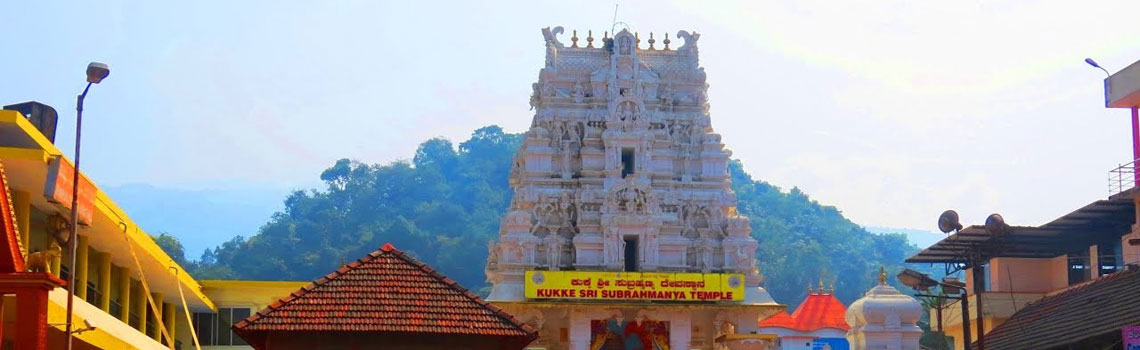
x: 884, y: 319
x: 621, y: 170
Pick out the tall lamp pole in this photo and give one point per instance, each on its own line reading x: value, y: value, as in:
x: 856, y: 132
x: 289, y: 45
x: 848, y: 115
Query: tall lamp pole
x: 96, y: 72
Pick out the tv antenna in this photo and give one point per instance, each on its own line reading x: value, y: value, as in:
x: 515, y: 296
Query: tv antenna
x: 613, y: 27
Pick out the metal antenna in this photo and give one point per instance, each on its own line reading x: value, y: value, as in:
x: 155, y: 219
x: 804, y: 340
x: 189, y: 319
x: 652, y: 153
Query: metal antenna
x: 614, y: 23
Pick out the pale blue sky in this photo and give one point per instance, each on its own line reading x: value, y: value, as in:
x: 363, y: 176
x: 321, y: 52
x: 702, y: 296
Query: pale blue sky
x: 890, y: 110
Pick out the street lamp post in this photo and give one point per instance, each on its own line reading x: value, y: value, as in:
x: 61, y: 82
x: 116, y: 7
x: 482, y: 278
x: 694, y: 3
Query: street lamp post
x: 922, y: 282
x: 96, y: 72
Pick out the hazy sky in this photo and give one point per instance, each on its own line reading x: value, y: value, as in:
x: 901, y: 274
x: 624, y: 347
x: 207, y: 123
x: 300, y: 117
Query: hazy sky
x: 890, y: 110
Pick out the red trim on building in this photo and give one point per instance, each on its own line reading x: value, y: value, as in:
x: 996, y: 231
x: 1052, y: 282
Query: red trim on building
x: 11, y: 258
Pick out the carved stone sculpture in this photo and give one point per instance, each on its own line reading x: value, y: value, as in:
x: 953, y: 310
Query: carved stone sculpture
x: 620, y: 146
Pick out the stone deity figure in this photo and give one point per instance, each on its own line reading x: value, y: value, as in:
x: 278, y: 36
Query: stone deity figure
x: 567, y: 159
x: 492, y: 255
x: 548, y: 90
x: 613, y: 246
x: 554, y: 251
x: 568, y: 210
x: 706, y: 249
x: 667, y: 97
x: 624, y: 46
x: 574, y: 132
x: 579, y: 93
x: 741, y: 259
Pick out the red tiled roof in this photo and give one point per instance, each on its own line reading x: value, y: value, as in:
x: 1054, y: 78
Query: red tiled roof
x: 782, y: 320
x: 1074, y: 316
x: 385, y: 291
x: 817, y: 311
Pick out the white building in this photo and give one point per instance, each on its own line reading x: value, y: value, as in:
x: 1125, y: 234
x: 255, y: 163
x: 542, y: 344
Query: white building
x: 884, y: 318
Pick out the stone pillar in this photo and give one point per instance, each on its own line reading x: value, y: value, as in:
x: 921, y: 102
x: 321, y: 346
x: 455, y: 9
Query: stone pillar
x: 168, y: 320
x: 680, y: 330
x: 80, y: 268
x: 104, y: 283
x: 579, y: 330
x: 22, y: 201
x: 124, y: 294
x: 157, y: 297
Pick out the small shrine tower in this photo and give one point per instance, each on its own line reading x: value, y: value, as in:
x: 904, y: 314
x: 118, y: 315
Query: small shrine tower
x: 884, y: 318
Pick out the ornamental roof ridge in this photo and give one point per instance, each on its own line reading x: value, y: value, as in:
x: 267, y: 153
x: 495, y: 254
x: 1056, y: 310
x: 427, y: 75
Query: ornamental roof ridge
x: 606, y: 41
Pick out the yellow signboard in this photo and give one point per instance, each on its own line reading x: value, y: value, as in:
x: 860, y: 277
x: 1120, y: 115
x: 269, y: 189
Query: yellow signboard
x: 654, y: 286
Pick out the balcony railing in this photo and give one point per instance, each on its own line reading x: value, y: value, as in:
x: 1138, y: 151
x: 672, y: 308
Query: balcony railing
x: 1122, y: 178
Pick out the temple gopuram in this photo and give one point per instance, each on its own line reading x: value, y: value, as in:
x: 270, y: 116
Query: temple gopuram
x: 623, y: 231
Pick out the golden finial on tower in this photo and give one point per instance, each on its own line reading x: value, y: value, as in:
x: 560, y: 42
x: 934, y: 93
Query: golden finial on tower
x: 821, y: 289
x: 574, y: 39
x: 666, y: 41
x: 809, y: 288
x: 833, y: 278
x: 651, y: 41
x: 636, y: 40
x: 882, y: 275
x: 590, y: 39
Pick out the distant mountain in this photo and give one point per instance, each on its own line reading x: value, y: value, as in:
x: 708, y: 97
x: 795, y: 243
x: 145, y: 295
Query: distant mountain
x: 920, y: 238
x: 200, y: 218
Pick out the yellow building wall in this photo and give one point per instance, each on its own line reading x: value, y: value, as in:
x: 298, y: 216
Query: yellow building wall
x: 252, y: 294
x: 255, y: 295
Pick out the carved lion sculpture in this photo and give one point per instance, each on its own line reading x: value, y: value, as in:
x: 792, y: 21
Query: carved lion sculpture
x: 41, y: 261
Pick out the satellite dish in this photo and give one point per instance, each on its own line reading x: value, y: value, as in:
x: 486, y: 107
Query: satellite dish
x: 948, y: 221
x: 995, y: 225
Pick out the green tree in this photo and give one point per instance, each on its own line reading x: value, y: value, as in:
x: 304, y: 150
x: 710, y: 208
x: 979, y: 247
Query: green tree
x: 444, y: 206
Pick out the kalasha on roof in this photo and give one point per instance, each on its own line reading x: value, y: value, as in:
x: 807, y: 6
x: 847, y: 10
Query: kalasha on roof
x: 818, y: 311
x: 386, y: 291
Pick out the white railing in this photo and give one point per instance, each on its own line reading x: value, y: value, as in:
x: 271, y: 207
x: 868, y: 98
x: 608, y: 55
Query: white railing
x: 1122, y: 178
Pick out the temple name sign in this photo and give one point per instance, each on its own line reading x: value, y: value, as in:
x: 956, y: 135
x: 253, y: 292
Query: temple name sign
x: 644, y: 286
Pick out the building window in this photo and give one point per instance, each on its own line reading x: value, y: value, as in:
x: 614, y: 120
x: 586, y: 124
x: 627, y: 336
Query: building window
x: 214, y: 329
x: 1108, y: 255
x: 1079, y: 269
x: 631, y: 254
x: 627, y: 161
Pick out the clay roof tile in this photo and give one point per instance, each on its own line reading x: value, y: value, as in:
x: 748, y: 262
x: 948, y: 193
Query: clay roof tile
x: 386, y: 291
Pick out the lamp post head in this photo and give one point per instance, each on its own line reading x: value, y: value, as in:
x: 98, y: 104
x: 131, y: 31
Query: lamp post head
x: 1092, y: 63
x: 916, y: 280
x: 97, y: 71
